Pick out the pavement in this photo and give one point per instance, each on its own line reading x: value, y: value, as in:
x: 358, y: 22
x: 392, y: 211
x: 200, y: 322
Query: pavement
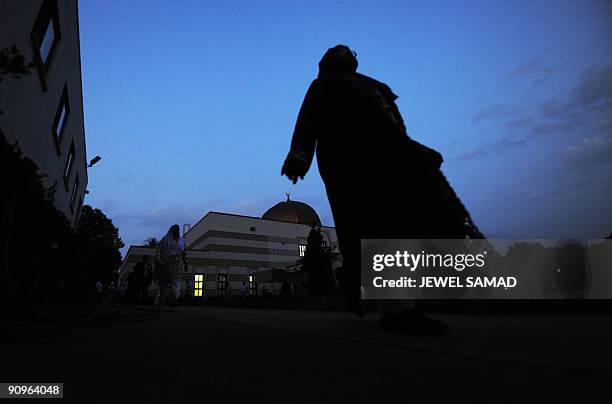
x: 201, y: 353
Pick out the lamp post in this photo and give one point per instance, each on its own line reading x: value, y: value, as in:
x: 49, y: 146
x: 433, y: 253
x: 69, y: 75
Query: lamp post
x: 93, y: 161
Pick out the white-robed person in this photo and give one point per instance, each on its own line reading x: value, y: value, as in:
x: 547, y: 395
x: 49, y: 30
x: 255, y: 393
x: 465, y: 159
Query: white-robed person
x: 171, y: 252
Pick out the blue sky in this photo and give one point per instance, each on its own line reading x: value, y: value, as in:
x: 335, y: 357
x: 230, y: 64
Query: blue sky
x: 192, y: 104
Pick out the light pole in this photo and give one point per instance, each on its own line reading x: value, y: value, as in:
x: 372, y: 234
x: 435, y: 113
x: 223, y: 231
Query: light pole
x: 93, y: 161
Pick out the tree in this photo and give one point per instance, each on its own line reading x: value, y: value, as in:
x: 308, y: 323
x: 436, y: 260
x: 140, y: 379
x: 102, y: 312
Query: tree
x: 98, y: 245
x: 36, y: 239
x: 13, y: 64
x: 151, y: 242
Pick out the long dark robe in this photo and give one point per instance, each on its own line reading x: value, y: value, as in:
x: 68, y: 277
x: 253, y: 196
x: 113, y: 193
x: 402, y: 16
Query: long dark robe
x: 380, y: 183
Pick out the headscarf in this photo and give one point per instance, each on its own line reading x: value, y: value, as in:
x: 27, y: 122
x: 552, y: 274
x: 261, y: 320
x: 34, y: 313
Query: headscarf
x: 338, y: 68
x: 339, y: 60
x: 169, y: 246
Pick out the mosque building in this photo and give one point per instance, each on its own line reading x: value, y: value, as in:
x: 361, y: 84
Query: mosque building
x: 226, y: 250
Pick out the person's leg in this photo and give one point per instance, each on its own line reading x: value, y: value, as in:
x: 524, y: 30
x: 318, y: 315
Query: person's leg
x: 352, y: 276
x: 347, y: 231
x: 351, y: 272
x: 400, y: 315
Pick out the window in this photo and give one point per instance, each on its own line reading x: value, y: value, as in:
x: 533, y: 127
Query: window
x: 198, y: 285
x: 252, y: 285
x: 75, y: 188
x: 45, y: 37
x: 222, y: 284
x: 302, y: 250
x: 63, y: 110
x: 69, y: 164
x: 48, y: 41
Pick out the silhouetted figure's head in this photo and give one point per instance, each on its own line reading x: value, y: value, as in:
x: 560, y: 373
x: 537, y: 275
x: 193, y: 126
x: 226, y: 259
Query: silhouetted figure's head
x: 175, y: 231
x: 339, y: 60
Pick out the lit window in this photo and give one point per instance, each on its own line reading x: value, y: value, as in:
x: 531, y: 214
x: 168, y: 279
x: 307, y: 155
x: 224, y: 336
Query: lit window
x: 69, y: 164
x: 252, y: 286
x: 74, y: 192
x: 302, y: 250
x: 198, y: 285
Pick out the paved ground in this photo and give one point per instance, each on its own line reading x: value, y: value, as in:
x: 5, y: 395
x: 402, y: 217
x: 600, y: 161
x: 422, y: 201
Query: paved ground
x: 306, y: 356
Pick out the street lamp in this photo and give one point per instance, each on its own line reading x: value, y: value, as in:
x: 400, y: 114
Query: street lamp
x: 94, y: 161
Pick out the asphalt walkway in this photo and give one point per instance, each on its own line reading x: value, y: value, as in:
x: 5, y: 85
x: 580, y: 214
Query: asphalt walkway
x: 199, y: 353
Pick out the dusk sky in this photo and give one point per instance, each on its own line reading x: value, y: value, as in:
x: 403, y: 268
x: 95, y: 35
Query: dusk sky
x: 192, y: 104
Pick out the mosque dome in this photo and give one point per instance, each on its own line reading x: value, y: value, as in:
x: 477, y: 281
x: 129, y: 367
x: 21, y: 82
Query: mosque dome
x: 293, y: 212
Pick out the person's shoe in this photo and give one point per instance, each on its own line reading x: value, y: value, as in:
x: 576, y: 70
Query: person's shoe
x: 413, y: 322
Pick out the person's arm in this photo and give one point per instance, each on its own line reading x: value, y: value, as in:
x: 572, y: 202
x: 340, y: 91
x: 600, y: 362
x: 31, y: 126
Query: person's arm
x: 305, y: 135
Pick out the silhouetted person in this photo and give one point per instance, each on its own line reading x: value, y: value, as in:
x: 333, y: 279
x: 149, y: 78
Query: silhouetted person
x: 170, y: 252
x: 317, y: 265
x: 380, y: 183
x: 244, y: 290
x: 142, y: 279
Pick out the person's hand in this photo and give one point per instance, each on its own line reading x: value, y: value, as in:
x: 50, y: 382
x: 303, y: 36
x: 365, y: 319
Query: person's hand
x: 295, y: 166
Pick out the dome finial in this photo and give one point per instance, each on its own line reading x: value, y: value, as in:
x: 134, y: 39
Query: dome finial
x: 288, y: 200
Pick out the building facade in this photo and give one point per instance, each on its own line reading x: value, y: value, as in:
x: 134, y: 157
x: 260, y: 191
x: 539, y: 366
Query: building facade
x: 43, y: 111
x: 228, y: 251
